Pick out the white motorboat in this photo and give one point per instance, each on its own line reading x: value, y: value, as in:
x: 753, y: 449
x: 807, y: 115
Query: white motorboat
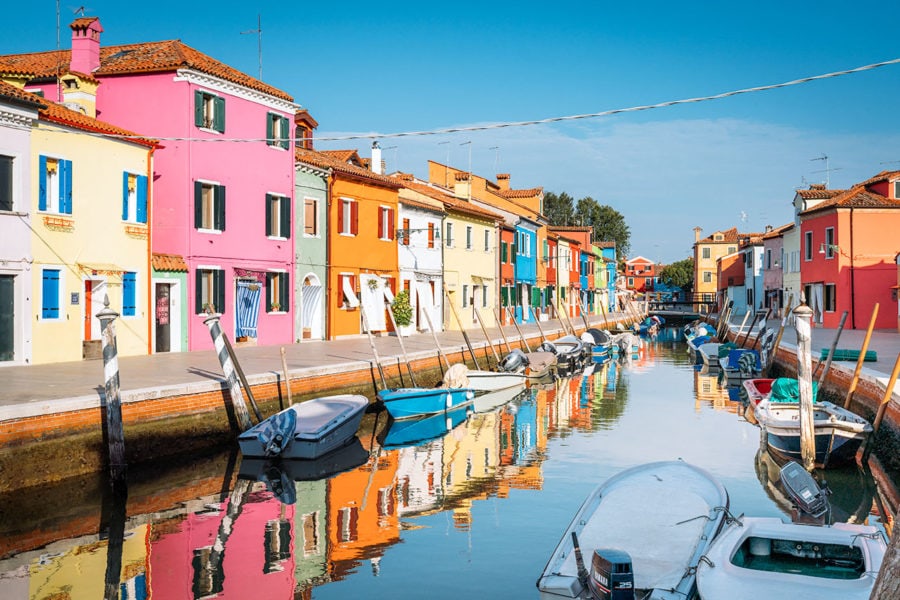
x: 764, y: 557
x: 307, y: 429
x: 489, y: 381
x: 644, y: 529
x: 709, y: 354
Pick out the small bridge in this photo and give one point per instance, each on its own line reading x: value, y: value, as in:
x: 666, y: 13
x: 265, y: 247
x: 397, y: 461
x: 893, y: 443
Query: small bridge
x: 693, y: 306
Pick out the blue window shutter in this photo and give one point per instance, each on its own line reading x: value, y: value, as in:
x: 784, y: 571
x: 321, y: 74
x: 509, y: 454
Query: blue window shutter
x: 50, y: 294
x: 129, y: 295
x: 65, y: 187
x: 42, y: 182
x: 125, y: 196
x: 142, y: 198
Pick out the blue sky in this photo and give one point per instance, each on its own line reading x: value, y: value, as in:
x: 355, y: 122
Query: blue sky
x: 370, y: 67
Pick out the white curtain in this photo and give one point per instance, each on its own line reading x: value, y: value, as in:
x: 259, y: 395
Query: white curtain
x: 425, y: 301
x: 372, y: 299
x: 312, y: 310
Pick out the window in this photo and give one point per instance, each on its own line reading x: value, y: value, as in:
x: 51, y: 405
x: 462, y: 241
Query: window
x: 6, y: 182
x: 209, y: 111
x: 487, y: 240
x: 732, y: 249
x: 348, y: 217
x: 484, y: 296
x: 210, y: 292
x: 311, y: 217
x: 504, y: 252
x: 431, y: 235
x: 768, y: 258
x: 545, y: 250
x: 706, y: 253
x: 468, y: 237
x: 406, y: 233
x: 631, y: 282
x: 277, y: 131
x: 209, y: 206
x: 707, y: 276
x: 129, y: 294
x: 385, y: 223
x: 830, y: 299
x: 829, y: 242
x: 55, y: 193
x: 134, y: 198
x: 50, y: 301
x: 448, y: 239
x: 897, y: 190
x: 465, y: 295
x: 278, y: 216
x: 278, y: 292
x: 347, y: 298
x: 527, y: 244
x: 807, y: 245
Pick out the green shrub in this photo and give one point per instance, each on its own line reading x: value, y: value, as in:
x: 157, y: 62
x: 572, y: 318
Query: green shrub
x: 402, y: 309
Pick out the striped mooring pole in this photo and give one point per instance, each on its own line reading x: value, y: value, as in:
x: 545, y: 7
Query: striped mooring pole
x: 234, y: 386
x: 115, y: 433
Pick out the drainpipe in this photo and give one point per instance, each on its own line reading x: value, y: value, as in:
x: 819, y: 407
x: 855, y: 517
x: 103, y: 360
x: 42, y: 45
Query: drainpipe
x: 329, y: 193
x: 151, y: 305
x: 852, y: 277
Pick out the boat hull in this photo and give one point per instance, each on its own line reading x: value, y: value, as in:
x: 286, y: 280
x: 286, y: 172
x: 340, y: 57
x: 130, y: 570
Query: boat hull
x: 412, y: 432
x: 321, y: 426
x: 666, y: 497
x: 733, y: 573
x: 410, y: 403
x: 489, y: 381
x: 838, y: 432
x: 757, y: 389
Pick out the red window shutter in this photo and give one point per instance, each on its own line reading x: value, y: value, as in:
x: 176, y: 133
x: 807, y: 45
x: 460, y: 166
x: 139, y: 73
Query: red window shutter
x: 340, y: 219
x: 406, y: 232
x: 381, y: 223
x: 354, y: 220
x: 390, y: 233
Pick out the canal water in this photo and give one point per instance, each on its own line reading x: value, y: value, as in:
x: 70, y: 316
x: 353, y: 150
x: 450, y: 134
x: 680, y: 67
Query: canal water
x: 466, y: 507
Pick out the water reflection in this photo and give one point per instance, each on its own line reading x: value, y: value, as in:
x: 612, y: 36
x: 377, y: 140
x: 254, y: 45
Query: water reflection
x: 291, y: 528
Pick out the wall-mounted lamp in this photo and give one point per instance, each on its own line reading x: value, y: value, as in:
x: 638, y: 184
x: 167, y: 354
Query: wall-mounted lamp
x: 829, y: 249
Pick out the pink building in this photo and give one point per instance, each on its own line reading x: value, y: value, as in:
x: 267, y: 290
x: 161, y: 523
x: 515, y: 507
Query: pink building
x: 773, y: 268
x: 223, y: 206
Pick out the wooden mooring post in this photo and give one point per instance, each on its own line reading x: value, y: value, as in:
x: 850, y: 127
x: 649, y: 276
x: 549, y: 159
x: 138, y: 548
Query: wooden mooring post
x: 500, y: 327
x: 784, y: 319
x: 537, y: 322
x: 462, y: 328
x: 862, y: 357
x: 115, y: 433
x: 234, y: 386
x: 834, y: 343
x: 487, y: 337
x: 804, y: 382
x: 519, y: 331
x: 287, y: 379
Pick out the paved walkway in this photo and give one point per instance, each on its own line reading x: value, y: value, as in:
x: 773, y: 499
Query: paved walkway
x: 60, y: 387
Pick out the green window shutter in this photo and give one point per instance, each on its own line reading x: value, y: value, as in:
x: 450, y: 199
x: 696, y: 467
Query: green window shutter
x: 503, y: 252
x: 219, y: 277
x: 220, y: 207
x: 285, y: 207
x: 284, y: 292
x: 198, y: 294
x: 504, y: 296
x: 270, y: 128
x: 285, y: 133
x: 269, y: 201
x: 535, y: 297
x: 219, y: 114
x: 269, y: 278
x: 198, y: 108
x: 198, y: 205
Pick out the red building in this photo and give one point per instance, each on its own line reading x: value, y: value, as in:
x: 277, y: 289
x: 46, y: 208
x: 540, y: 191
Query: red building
x: 847, y: 249
x: 507, y: 270
x: 640, y: 274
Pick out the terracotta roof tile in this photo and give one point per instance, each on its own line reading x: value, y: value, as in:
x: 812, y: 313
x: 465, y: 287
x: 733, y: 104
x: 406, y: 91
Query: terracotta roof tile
x: 326, y: 160
x: 146, y: 57
x: 56, y: 113
x: 529, y: 193
x: 818, y: 193
x: 605, y: 244
x: 450, y: 201
x: 856, y: 197
x: 778, y: 231
x: 168, y: 262
x: 883, y: 176
x: 12, y: 92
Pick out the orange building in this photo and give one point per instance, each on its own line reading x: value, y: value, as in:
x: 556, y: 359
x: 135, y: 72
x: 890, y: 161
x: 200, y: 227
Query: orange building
x: 362, y: 236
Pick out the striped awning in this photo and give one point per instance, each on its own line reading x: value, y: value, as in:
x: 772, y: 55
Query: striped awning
x: 247, y: 308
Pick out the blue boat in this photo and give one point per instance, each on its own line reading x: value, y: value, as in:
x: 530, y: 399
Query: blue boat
x: 409, y: 403
x: 412, y: 432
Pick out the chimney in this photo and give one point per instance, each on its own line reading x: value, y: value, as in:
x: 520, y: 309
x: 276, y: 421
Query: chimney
x: 768, y: 228
x: 376, y: 158
x: 503, y: 181
x: 697, y: 231
x: 85, y: 45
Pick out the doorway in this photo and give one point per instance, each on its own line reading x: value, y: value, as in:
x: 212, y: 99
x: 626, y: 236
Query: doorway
x: 163, y: 317
x: 7, y: 317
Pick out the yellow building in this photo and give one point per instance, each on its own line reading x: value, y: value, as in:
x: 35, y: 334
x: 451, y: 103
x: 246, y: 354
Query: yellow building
x: 89, y: 210
x: 706, y: 252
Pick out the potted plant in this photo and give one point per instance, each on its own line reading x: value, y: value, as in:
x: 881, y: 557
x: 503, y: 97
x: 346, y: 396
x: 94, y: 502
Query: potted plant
x: 403, y: 312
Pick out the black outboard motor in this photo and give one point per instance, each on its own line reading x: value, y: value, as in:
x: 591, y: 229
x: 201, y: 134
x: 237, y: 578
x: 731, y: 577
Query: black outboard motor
x: 611, y: 577
x: 803, y: 490
x: 514, y: 362
x: 547, y: 347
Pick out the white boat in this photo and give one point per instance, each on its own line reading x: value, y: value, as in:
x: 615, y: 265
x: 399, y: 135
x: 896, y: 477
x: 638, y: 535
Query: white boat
x: 662, y: 514
x: 838, y: 432
x: 763, y: 557
x: 489, y: 401
x: 489, y: 381
x: 307, y: 429
x: 709, y: 354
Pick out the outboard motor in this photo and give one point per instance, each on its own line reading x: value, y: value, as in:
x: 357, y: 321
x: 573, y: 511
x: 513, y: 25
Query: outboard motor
x: 611, y: 577
x: 514, y: 362
x: 547, y: 347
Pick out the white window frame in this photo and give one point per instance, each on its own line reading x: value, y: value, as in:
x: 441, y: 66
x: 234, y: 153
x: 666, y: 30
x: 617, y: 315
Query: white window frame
x: 52, y: 186
x: 385, y: 216
x: 487, y: 240
x: 808, y: 246
x: 347, y: 212
x: 212, y: 208
x: 60, y: 292
x: 276, y: 218
x: 829, y: 243
x: 468, y: 237
x: 448, y: 238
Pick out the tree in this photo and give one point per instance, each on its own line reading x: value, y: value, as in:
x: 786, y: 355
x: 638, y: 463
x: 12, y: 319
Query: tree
x: 679, y: 273
x: 609, y: 226
x: 559, y: 210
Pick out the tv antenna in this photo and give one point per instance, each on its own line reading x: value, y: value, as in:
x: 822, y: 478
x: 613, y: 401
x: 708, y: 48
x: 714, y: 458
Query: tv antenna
x: 496, y: 150
x: 258, y: 32
x: 827, y: 170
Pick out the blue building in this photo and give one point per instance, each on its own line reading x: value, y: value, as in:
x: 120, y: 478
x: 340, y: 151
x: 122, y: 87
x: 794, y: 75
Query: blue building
x: 526, y: 268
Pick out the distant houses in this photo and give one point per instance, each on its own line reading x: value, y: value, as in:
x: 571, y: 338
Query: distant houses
x: 838, y: 255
